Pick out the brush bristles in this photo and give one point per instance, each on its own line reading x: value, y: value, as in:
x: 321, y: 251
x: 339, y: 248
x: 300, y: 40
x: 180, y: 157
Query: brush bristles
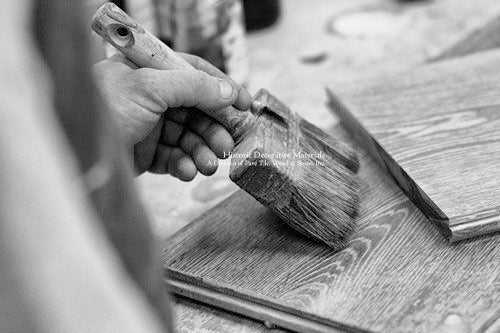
x: 324, y: 202
x: 318, y: 197
x: 320, y: 140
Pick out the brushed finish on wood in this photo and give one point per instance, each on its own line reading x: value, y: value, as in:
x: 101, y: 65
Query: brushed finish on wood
x: 435, y: 129
x: 396, y: 275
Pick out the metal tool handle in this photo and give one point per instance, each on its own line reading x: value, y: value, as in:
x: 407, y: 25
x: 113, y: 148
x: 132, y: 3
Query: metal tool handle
x: 145, y: 50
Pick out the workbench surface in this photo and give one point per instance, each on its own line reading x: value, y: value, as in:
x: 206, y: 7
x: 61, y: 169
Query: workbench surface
x: 294, y: 60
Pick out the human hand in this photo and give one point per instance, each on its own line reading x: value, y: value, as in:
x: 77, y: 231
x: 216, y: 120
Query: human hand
x: 165, y: 115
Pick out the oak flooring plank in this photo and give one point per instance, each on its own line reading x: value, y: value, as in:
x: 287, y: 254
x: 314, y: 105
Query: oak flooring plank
x: 436, y: 128
x: 396, y: 275
x: 194, y: 317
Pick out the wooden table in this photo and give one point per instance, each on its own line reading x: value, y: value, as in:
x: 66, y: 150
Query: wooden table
x: 294, y: 60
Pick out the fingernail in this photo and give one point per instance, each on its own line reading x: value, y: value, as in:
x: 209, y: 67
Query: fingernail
x: 226, y: 90
x: 256, y: 105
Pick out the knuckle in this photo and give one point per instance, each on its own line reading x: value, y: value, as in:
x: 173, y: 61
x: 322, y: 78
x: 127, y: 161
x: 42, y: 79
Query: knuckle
x: 146, y: 80
x: 201, y: 81
x: 200, y: 63
x: 139, y: 79
x: 143, y: 77
x: 196, y: 61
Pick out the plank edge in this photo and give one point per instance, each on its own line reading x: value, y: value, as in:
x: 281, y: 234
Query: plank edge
x: 387, y: 163
x: 453, y: 228
x: 269, y: 316
x: 474, y: 228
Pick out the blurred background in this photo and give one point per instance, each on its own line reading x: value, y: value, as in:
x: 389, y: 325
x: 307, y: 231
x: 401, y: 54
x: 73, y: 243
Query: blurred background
x: 293, y: 48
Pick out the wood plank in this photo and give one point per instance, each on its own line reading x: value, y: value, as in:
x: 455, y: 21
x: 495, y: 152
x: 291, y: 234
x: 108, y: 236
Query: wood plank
x: 271, y: 318
x: 435, y: 129
x: 195, y: 317
x: 397, y: 274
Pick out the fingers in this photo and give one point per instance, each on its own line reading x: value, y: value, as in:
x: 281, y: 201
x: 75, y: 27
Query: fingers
x: 174, y: 161
x: 204, y: 159
x: 178, y: 115
x: 213, y: 134
x: 243, y: 100
x: 172, y: 133
x: 200, y: 137
x: 187, y: 88
x: 190, y: 141
x: 217, y: 138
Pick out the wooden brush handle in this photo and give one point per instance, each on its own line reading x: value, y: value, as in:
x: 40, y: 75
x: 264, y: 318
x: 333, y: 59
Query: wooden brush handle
x: 145, y: 50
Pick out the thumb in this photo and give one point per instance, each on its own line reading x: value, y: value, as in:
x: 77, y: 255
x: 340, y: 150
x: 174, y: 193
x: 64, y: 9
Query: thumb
x: 186, y: 88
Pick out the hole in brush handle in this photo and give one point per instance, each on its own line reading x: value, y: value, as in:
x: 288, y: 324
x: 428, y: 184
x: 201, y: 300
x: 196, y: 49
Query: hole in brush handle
x: 122, y: 31
x: 120, y: 35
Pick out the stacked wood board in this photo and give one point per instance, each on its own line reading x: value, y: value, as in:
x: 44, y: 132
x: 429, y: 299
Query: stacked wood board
x: 435, y: 129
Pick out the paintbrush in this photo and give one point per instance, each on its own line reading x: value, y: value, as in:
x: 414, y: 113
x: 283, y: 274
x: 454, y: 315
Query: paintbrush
x: 300, y: 172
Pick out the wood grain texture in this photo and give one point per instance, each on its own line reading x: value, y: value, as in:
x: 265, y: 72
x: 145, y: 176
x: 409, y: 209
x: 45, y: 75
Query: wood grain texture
x: 396, y: 275
x: 435, y: 129
x: 194, y: 317
x: 272, y: 318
